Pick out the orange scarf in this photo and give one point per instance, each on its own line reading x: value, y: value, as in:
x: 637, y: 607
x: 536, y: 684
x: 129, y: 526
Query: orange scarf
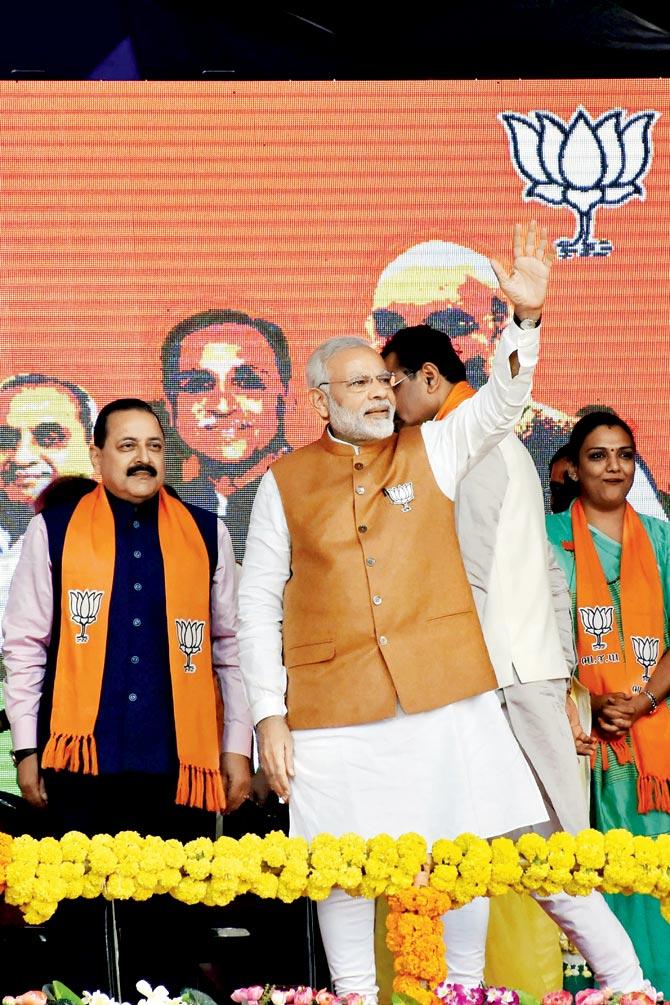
x: 459, y: 393
x: 604, y: 667
x: 87, y: 579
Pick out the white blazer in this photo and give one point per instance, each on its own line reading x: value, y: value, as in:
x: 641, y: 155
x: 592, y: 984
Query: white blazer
x: 520, y: 592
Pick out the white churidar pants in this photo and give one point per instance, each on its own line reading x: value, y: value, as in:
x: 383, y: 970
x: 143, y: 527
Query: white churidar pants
x: 439, y: 773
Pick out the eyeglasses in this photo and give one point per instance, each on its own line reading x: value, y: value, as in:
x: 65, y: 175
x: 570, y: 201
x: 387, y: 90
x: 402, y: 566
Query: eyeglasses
x: 405, y: 375
x: 359, y: 384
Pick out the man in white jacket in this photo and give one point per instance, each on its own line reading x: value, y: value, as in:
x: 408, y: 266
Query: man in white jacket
x: 525, y: 610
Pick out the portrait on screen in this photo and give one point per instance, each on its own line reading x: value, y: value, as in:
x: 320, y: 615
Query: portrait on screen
x: 225, y: 379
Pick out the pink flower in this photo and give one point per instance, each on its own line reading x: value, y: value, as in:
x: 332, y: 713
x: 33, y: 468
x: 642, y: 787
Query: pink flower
x: 324, y: 997
x: 27, y: 998
x: 592, y: 996
x: 239, y: 995
x: 641, y: 997
x: 353, y: 999
x: 303, y: 996
x: 557, y: 998
x: 254, y: 992
x: 290, y: 995
x: 278, y: 997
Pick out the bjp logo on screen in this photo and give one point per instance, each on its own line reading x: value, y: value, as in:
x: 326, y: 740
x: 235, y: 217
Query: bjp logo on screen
x: 581, y: 165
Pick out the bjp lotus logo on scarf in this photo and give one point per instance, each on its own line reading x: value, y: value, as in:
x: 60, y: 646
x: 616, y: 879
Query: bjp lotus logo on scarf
x: 582, y: 164
x: 646, y: 653
x: 84, y: 609
x: 597, y: 621
x: 189, y: 635
x: 401, y: 495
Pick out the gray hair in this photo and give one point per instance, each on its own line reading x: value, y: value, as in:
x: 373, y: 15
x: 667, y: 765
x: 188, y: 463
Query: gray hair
x: 316, y: 371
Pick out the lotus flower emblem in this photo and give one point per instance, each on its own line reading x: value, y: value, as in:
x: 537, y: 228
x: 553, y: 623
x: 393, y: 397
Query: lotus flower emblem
x: 646, y: 653
x: 189, y: 635
x: 581, y: 165
x: 597, y: 621
x: 84, y: 610
x: 401, y: 495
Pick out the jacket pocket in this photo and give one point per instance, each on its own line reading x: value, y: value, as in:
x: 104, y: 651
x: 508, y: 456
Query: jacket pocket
x: 451, y: 614
x: 314, y: 652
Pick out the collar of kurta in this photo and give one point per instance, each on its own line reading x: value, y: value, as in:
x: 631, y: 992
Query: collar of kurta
x: 343, y: 449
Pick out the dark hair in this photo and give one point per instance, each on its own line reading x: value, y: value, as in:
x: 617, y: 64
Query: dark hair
x: 564, y: 490
x: 84, y: 402
x: 563, y: 453
x: 63, y: 489
x: 421, y: 344
x: 171, y: 350
x: 586, y: 425
x: 119, y: 405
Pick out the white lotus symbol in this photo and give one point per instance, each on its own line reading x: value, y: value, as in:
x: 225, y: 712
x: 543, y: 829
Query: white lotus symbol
x: 645, y: 648
x: 189, y: 635
x: 582, y: 164
x: 597, y: 621
x: 84, y: 609
x: 401, y: 495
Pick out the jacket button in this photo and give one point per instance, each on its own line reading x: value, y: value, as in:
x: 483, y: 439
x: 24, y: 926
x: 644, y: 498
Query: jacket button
x: 360, y: 490
x: 359, y: 465
x: 362, y: 528
x: 370, y: 561
x: 383, y: 641
x: 377, y: 600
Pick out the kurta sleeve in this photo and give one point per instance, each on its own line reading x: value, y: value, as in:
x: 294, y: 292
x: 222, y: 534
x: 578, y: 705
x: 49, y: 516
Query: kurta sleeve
x: 27, y: 628
x: 265, y: 571
x: 237, y: 727
x: 456, y: 443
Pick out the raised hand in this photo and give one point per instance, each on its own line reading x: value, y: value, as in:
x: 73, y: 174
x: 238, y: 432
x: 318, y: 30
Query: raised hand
x: 526, y: 285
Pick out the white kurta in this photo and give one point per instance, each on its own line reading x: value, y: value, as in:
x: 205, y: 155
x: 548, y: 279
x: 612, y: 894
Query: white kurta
x: 454, y: 769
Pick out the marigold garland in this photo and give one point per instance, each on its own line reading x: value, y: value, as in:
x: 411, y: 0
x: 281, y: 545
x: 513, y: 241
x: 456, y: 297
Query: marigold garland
x: 5, y: 856
x: 414, y: 934
x: 40, y: 874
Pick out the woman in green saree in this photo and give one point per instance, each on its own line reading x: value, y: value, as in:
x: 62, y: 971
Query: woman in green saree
x: 617, y: 565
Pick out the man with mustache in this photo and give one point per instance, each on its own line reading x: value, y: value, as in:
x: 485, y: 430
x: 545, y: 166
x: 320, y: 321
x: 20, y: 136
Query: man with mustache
x: 110, y: 675
x: 226, y: 377
x: 367, y: 673
x: 119, y: 632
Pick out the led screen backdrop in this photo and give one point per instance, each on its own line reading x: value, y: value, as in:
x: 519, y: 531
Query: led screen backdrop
x: 191, y: 243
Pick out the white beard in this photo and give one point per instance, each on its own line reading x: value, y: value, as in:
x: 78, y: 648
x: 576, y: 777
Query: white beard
x: 355, y: 427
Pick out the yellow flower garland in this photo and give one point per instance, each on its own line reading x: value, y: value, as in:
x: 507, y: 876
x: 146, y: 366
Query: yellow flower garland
x: 40, y: 874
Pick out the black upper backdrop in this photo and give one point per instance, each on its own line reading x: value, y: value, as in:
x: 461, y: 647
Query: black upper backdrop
x: 186, y: 39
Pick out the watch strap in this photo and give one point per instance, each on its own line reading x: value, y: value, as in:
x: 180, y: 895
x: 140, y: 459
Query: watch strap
x: 527, y: 323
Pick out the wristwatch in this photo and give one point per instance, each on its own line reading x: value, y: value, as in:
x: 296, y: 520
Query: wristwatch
x: 20, y: 755
x: 527, y: 324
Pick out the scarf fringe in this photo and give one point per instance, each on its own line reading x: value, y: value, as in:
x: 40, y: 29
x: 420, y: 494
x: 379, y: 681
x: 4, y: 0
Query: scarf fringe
x: 66, y: 752
x: 621, y: 750
x: 200, y: 787
x: 653, y: 794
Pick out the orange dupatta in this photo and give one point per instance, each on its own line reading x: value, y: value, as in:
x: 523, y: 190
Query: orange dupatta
x: 459, y: 393
x: 604, y: 667
x: 87, y: 579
